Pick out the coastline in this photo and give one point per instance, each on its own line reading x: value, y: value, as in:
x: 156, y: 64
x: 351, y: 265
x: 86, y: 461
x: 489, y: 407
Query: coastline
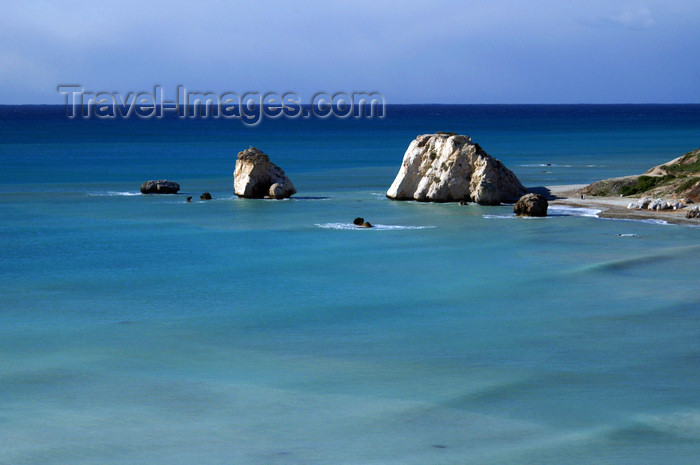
x: 610, y: 207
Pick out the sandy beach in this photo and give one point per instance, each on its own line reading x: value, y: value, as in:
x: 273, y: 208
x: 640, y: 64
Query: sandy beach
x: 611, y: 207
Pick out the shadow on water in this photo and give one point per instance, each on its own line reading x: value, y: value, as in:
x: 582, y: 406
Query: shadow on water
x: 542, y: 190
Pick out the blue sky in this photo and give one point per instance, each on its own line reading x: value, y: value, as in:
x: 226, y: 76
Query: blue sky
x: 492, y: 51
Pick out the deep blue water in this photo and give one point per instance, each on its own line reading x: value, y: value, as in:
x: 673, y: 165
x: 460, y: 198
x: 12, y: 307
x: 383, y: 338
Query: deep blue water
x: 141, y: 329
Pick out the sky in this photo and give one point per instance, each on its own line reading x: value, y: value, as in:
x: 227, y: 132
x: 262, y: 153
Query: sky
x: 495, y: 51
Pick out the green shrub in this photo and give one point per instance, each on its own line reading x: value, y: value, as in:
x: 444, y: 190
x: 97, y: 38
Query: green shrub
x: 645, y: 183
x: 687, y: 185
x: 683, y: 166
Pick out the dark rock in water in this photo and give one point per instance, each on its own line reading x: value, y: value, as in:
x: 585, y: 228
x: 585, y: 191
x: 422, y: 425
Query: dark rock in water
x: 160, y: 186
x: 189, y: 199
x: 205, y: 196
x: 359, y: 221
x: 257, y: 177
x: 464, y: 202
x: 531, y: 205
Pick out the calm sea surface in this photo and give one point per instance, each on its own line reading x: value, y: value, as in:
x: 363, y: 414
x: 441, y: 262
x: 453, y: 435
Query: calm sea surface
x: 145, y: 330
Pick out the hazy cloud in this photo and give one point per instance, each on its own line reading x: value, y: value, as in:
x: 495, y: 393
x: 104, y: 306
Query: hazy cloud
x: 462, y: 51
x: 632, y: 17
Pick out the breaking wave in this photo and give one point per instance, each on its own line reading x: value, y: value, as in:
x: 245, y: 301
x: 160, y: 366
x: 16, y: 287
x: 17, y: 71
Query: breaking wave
x: 553, y: 211
x: 112, y: 194
x: 376, y: 227
x: 563, y: 210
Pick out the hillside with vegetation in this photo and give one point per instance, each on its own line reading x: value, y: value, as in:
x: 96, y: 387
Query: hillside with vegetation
x: 678, y: 179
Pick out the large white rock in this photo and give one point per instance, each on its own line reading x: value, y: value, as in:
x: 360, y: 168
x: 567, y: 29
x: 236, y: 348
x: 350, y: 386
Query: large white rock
x: 257, y: 177
x: 446, y: 167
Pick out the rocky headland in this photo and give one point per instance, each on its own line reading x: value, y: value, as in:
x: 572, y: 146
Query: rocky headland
x: 677, y: 179
x: 665, y: 192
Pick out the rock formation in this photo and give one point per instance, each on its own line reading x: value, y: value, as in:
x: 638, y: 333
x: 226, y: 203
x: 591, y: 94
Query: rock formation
x: 160, y: 186
x: 257, y: 177
x: 446, y: 167
x: 531, y: 205
x: 693, y: 213
x: 359, y: 221
x: 205, y: 196
x: 658, y: 204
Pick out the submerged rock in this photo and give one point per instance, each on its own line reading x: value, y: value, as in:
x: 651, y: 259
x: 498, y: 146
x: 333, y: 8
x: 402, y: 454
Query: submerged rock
x: 531, y: 205
x: 446, y: 167
x: 256, y: 177
x: 160, y: 186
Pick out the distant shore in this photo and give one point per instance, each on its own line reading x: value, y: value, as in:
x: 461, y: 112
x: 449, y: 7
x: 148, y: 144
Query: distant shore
x: 611, y: 207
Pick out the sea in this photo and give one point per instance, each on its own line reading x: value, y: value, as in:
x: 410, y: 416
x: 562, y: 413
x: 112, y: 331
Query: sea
x: 142, y: 329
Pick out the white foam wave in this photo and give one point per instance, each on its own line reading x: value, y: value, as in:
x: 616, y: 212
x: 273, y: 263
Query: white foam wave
x: 648, y: 220
x: 376, y: 227
x: 546, y: 165
x: 554, y: 165
x: 564, y: 210
x: 554, y: 210
x: 112, y: 194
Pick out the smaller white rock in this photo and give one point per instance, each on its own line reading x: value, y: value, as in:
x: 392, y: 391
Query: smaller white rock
x: 675, y: 204
x: 256, y: 176
x: 658, y: 204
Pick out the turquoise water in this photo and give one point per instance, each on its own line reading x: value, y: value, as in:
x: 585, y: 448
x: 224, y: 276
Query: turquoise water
x: 142, y: 329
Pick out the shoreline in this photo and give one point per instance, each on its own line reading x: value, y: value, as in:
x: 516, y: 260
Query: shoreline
x: 610, y: 207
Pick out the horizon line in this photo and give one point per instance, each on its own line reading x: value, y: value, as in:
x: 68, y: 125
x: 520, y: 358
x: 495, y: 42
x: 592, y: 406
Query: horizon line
x: 442, y: 103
